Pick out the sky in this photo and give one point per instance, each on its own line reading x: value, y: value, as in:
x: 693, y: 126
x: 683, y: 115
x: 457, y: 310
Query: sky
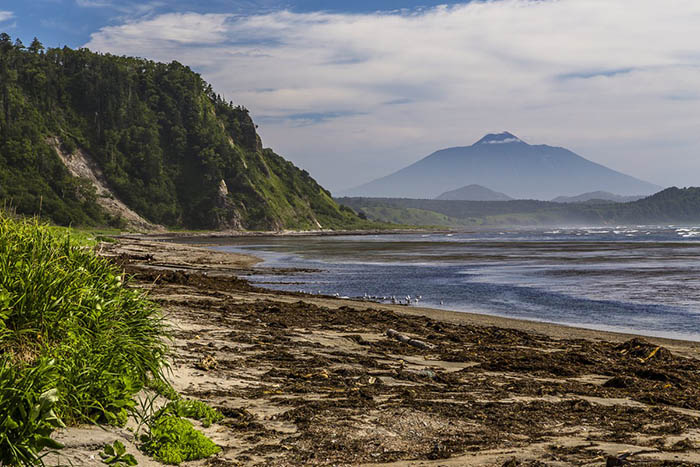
x: 354, y: 90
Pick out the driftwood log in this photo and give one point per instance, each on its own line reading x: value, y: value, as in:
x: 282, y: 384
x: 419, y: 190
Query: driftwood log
x: 408, y: 340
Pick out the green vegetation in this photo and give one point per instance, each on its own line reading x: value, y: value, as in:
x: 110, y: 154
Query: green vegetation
x: 26, y: 411
x: 166, y: 435
x: 116, y: 455
x: 162, y: 388
x: 410, y: 216
x: 170, y: 147
x: 172, y: 439
x: 194, y: 409
x: 72, y: 337
x: 674, y: 205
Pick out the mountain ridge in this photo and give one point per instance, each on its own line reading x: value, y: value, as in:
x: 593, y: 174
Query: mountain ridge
x: 599, y: 196
x: 671, y: 205
x: 474, y: 192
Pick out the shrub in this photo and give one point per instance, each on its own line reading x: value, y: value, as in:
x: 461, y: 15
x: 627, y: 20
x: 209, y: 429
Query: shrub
x: 173, y: 440
x: 67, y: 324
x: 194, y: 409
x: 60, y: 300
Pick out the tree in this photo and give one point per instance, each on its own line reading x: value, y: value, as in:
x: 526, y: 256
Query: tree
x: 36, y: 46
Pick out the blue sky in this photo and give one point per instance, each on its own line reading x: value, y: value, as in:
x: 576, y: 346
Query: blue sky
x: 70, y: 22
x: 352, y: 91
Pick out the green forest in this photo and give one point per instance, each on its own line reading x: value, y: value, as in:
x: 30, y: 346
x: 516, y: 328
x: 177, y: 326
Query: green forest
x: 672, y: 205
x: 164, y: 139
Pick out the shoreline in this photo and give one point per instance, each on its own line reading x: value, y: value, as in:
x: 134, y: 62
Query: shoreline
x: 555, y: 330
x: 551, y: 329
x: 197, y: 237
x: 309, y: 380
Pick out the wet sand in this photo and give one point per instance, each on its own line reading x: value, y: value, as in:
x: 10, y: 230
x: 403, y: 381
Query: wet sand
x: 308, y: 380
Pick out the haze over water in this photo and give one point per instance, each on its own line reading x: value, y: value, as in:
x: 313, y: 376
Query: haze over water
x: 642, y: 279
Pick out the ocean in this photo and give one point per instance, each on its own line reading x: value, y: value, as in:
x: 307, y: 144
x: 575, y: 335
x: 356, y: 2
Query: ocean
x: 642, y: 279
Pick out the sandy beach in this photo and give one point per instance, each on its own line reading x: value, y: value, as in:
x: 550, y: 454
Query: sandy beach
x: 309, y: 380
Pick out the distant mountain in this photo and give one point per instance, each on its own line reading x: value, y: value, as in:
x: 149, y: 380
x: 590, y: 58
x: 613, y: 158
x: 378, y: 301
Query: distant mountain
x: 474, y: 193
x: 596, y: 196
x: 505, y: 163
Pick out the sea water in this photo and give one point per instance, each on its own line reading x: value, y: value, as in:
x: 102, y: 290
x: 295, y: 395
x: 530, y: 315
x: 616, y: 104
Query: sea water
x: 641, y: 279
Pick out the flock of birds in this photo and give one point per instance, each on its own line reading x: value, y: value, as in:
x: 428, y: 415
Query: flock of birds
x: 407, y: 300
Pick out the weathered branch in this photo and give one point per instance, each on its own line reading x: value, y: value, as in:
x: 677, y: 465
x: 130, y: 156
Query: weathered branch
x: 408, y: 340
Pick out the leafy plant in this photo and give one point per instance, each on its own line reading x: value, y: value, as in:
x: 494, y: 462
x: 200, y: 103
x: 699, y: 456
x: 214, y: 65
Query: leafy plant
x: 27, y: 418
x: 172, y: 440
x: 162, y: 388
x: 144, y: 414
x: 116, y: 456
x: 194, y: 409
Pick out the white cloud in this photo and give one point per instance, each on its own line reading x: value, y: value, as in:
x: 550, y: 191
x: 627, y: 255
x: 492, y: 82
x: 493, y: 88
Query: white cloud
x: 169, y: 32
x: 6, y: 15
x: 610, y: 80
x: 93, y: 3
x: 128, y: 8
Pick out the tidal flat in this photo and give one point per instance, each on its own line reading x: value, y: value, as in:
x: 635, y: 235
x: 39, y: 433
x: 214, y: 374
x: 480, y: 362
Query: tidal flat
x: 642, y: 279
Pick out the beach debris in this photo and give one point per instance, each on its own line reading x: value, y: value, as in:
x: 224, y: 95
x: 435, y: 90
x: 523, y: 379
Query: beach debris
x: 682, y: 445
x: 643, y: 350
x: 439, y: 451
x: 408, y: 340
x: 207, y: 363
x: 620, y: 382
x: 621, y: 459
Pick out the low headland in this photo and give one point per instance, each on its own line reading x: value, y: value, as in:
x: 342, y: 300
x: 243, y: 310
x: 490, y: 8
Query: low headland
x: 309, y: 380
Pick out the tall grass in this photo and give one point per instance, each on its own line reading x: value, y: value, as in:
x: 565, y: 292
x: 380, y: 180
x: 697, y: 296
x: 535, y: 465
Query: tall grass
x: 59, y: 301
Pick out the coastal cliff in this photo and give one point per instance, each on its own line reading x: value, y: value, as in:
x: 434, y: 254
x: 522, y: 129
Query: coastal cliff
x: 166, y: 146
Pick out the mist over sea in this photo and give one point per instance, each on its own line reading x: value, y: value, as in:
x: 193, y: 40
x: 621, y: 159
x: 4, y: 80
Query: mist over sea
x: 643, y: 279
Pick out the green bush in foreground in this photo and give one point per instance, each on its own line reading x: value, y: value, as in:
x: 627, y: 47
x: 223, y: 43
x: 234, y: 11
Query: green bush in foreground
x: 60, y: 301
x: 173, y: 440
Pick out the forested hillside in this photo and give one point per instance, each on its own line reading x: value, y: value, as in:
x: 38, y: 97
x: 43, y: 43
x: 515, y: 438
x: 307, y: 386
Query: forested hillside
x: 672, y: 205
x: 169, y: 147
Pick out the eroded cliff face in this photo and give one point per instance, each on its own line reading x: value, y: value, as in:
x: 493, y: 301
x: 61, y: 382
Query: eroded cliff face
x: 227, y: 215
x: 82, y: 166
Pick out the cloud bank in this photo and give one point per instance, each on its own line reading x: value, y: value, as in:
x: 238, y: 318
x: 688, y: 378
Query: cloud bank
x: 354, y: 96
x: 6, y: 15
